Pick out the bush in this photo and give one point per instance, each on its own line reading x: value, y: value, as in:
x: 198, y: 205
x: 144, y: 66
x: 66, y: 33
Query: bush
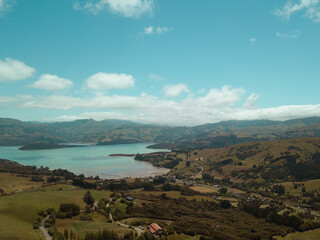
x: 57, y: 236
x: 223, y: 190
x: 68, y: 210
x: 86, y: 217
x: 36, y: 225
x: 225, y: 204
x: 88, y: 199
x: 315, y: 206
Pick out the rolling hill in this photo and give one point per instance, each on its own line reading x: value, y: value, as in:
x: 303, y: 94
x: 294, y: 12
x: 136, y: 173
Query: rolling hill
x: 211, y: 135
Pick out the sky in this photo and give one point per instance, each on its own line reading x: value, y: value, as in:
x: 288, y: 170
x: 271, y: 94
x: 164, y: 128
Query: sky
x: 172, y: 62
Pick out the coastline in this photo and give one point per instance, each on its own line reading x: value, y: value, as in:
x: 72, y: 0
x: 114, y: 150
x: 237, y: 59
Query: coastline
x: 90, y: 161
x: 157, y: 171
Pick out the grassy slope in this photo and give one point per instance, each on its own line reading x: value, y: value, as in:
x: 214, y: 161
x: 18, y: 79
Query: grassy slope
x: 309, y: 235
x: 309, y: 185
x: 256, y: 153
x: 11, y: 183
x: 19, y: 211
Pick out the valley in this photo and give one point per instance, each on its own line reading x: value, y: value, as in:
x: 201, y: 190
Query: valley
x: 260, y: 190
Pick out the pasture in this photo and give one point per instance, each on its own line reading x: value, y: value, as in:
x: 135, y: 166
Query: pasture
x: 309, y: 235
x: 19, y: 211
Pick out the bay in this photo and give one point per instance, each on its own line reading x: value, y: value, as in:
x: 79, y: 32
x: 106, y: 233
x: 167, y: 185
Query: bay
x: 91, y: 160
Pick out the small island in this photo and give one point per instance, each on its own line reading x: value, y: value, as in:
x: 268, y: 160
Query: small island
x: 47, y: 145
x: 122, y: 155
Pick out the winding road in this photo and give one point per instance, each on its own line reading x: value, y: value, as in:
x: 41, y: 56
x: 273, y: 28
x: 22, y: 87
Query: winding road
x: 201, y: 171
x: 42, y: 228
x: 139, y: 231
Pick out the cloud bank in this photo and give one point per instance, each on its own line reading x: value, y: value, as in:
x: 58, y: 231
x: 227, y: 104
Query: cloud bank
x: 5, y: 5
x: 125, y: 8
x: 310, y: 9
x: 215, y: 105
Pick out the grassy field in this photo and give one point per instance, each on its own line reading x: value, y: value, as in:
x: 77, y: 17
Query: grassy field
x: 181, y: 237
x: 122, y: 206
x: 19, y: 211
x: 11, y: 183
x: 204, y: 189
x: 208, y: 189
x: 309, y: 235
x: 144, y: 221
x: 175, y: 194
x: 80, y: 228
x: 309, y: 185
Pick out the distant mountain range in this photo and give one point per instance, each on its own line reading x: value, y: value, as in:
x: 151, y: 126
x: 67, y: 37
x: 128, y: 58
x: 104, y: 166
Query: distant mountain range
x: 212, y: 135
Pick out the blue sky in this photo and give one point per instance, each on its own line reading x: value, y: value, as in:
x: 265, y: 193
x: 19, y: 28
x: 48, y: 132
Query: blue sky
x: 182, y: 62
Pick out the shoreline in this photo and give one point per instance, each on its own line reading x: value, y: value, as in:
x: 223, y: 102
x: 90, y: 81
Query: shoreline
x: 136, y: 174
x: 121, y: 155
x: 26, y: 159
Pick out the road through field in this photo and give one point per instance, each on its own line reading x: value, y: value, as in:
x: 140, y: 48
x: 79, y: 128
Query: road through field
x: 139, y: 231
x: 42, y: 228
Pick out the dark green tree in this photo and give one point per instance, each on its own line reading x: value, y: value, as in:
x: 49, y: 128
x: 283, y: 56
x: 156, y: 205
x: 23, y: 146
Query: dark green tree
x: 66, y: 234
x: 88, y: 199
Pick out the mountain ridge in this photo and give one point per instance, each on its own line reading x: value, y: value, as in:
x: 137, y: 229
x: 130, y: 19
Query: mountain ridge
x: 113, y: 131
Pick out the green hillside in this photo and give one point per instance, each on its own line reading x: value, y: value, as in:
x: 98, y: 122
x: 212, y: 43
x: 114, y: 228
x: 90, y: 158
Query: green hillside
x: 15, y: 132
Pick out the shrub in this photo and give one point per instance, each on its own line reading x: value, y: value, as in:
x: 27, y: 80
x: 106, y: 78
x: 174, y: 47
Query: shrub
x: 223, y: 190
x: 225, y: 204
x: 68, y: 210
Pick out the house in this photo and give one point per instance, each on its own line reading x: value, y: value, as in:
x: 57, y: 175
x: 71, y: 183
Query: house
x: 129, y: 198
x: 155, y: 229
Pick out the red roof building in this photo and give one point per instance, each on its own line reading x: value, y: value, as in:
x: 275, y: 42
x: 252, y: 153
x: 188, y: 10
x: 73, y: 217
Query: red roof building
x: 155, y: 229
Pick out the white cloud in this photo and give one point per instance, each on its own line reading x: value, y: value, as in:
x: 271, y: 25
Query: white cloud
x: 175, y: 90
x: 161, y: 30
x: 5, y: 5
x: 13, y: 70
x: 126, y: 8
x: 294, y: 34
x: 106, y: 81
x: 216, y: 105
x: 311, y: 9
x: 252, y: 40
x: 156, y: 77
x: 4, y: 100
x: 52, y: 83
x: 251, y: 101
x: 148, y: 30
x: 287, y: 35
x: 158, y: 30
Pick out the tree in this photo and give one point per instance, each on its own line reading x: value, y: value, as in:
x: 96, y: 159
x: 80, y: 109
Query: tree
x: 129, y: 236
x: 223, y: 190
x: 225, y: 204
x: 303, y: 189
x: 207, y: 177
x: 166, y: 187
x: 88, y: 199
x: 57, y: 236
x: 279, y: 189
x: 66, y: 234
x: 68, y: 210
x: 148, y: 186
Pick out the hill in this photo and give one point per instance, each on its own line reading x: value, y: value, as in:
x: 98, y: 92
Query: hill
x: 226, y: 133
x: 265, y: 161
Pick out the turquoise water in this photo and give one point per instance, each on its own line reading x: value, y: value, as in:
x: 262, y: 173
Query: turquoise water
x: 91, y: 161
